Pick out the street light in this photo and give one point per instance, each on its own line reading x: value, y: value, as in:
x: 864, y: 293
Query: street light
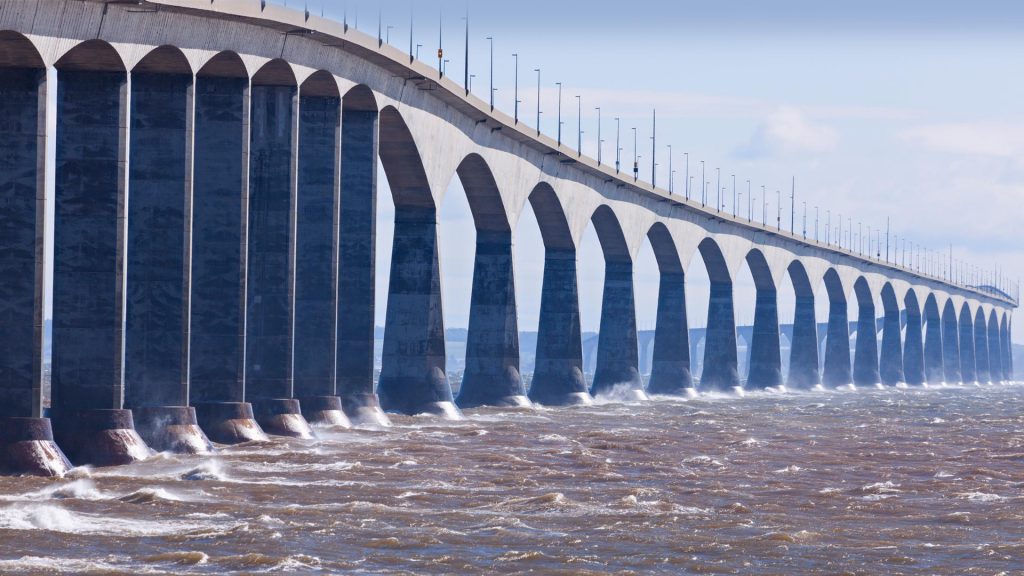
x: 670, y: 178
x: 516, y: 114
x: 718, y: 189
x: 688, y: 179
x: 537, y: 70
x: 704, y: 189
x: 559, y: 84
x: 579, y: 125
x: 636, y: 159
x: 618, y: 148
x: 599, y: 141
x: 387, y: 35
x: 491, y: 39
x: 733, y: 195
x: 750, y: 203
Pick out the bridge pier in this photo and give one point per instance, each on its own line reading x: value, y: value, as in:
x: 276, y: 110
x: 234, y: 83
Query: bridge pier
x: 316, y: 261
x: 670, y: 371
x: 90, y: 228
x: 865, y: 359
x: 837, y: 340
x: 617, y: 352
x: 357, y: 236
x: 950, y: 346
x: 766, y: 354
x: 995, y: 346
x: 558, y: 375
x: 981, y: 356
x: 933, y: 369
x: 803, y: 359
x: 913, y: 349
x: 26, y: 438
x: 158, y: 282
x: 891, y: 361
x: 269, y: 341
x: 492, y: 374
x: 219, y: 254
x: 720, y: 354
x: 1007, y: 350
x: 968, y: 366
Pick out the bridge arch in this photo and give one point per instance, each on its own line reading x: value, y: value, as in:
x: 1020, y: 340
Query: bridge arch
x: 164, y: 59
x: 491, y: 375
x: 92, y: 55
x: 617, y: 353
x: 275, y: 72
x: 951, y: 343
x: 320, y: 84
x: 765, y: 367
x: 837, y: 341
x: 670, y: 373
x: 17, y: 51
x: 891, y: 361
x: 933, y: 369
x: 558, y: 373
x: 968, y: 362
x: 226, y: 64
x: 803, y: 356
x: 720, y: 370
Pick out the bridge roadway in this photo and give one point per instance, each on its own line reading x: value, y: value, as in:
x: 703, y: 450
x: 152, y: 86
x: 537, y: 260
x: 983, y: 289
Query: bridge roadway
x: 212, y: 179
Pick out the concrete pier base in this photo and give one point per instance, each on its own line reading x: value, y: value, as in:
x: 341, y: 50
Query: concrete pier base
x: 324, y: 411
x: 803, y: 358
x: 172, y: 429
x: 670, y: 374
x: 558, y: 377
x: 229, y: 422
x: 364, y: 410
x: 27, y: 448
x: 101, y: 437
x: 282, y: 417
x: 766, y: 353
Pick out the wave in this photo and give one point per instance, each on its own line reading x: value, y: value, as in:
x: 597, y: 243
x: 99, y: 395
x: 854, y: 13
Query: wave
x: 53, y: 518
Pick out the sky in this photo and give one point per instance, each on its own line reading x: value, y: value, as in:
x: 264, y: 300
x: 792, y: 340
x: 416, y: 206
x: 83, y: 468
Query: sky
x: 908, y: 112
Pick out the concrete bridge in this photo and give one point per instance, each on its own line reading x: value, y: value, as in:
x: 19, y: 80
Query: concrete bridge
x: 210, y: 166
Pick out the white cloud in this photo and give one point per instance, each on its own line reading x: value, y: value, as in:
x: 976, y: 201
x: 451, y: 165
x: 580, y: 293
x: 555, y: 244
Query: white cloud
x: 1002, y: 140
x: 788, y: 130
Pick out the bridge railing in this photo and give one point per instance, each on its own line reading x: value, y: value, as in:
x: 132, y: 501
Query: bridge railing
x: 931, y: 267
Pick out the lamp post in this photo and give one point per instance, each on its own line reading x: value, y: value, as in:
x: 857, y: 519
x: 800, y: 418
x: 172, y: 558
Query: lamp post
x: 636, y: 159
x: 670, y: 171
x: 516, y: 104
x: 704, y: 189
x: 537, y: 70
x: 491, y: 39
x: 440, y: 45
x: 750, y: 203
x: 654, y: 149
x: 805, y: 220
x: 599, y: 141
x: 418, y: 46
x: 778, y: 210
x: 387, y: 34
x: 579, y: 125
x: 718, y: 189
x: 828, y: 227
x: 687, y: 182
x: 733, y: 195
x: 618, y: 146
x: 559, y: 84
x: 764, y: 206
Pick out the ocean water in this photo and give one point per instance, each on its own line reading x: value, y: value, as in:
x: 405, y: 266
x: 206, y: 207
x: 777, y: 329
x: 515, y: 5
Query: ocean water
x: 853, y: 481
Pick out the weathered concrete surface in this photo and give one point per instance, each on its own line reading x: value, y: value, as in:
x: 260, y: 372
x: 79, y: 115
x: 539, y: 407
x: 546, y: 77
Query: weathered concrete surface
x: 968, y: 365
x: 413, y: 378
x: 981, y: 356
x: 933, y: 369
x: 891, y: 362
x: 995, y: 356
x: 720, y: 354
x: 558, y: 376
x: 951, y: 345
x: 803, y: 359
x: 27, y: 448
x: 670, y: 371
x: 229, y: 422
x: 766, y: 352
x: 913, y: 349
x: 220, y: 218
x: 865, y: 354
x: 89, y: 261
x: 357, y: 260
x: 617, y: 352
x: 172, y: 429
x: 837, y: 345
x: 492, y: 353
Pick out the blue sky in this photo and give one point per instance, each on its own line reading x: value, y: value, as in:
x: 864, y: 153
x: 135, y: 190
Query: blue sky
x: 908, y: 111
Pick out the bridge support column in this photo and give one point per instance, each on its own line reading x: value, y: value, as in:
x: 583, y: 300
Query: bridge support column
x: 558, y: 375
x: 837, y: 345
x: 913, y: 350
x: 995, y: 357
x: 158, y: 269
x: 891, y: 362
x: 219, y: 260
x: 357, y: 264
x: 492, y: 347
x: 1007, y: 351
x: 933, y: 371
x: 90, y: 229
x: 950, y: 347
x: 765, y: 351
x: 803, y: 359
x: 865, y: 360
x: 720, y: 354
x: 617, y: 352
x: 413, y: 379
x: 670, y: 373
x: 316, y: 260
x: 968, y: 366
x: 271, y: 273
x: 26, y: 438
x: 981, y: 356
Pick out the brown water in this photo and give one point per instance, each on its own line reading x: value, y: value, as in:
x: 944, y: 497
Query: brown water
x: 899, y: 481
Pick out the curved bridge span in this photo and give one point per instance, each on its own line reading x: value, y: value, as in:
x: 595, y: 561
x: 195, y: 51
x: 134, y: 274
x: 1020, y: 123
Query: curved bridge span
x: 210, y: 167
